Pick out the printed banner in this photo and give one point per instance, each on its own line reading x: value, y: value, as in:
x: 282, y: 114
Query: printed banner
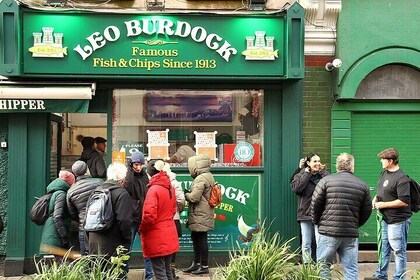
x: 236, y: 218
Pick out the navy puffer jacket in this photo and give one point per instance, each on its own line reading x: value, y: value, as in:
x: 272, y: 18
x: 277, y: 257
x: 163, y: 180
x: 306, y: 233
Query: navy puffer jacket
x: 341, y: 204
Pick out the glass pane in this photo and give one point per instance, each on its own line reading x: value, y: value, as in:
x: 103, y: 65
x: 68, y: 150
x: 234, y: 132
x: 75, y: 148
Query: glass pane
x: 175, y: 124
x: 77, y: 125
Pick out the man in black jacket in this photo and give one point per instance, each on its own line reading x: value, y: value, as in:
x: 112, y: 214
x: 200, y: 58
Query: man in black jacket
x: 340, y: 204
x: 77, y: 197
x: 95, y: 162
x: 136, y: 185
x: 106, y: 242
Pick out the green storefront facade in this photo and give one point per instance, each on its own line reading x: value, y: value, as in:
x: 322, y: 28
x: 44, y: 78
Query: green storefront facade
x: 377, y: 102
x: 95, y: 54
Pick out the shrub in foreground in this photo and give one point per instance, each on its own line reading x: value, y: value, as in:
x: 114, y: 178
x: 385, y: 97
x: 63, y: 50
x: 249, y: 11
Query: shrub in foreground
x: 84, y: 267
x: 266, y: 258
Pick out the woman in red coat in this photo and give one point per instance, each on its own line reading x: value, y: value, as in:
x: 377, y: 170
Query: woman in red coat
x: 159, y: 238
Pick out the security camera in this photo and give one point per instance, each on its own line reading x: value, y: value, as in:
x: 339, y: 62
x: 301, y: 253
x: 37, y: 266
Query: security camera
x: 336, y: 63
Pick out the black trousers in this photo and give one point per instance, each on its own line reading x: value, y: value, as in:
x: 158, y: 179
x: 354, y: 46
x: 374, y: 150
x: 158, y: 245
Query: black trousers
x: 201, y: 247
x: 162, y: 267
x: 179, y: 232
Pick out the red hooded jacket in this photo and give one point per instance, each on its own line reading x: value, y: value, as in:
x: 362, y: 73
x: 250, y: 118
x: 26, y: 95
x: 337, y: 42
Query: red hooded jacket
x: 157, y: 230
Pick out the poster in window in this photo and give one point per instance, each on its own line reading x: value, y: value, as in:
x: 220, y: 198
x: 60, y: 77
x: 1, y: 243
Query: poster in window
x: 188, y: 106
x: 157, y: 144
x: 205, y: 144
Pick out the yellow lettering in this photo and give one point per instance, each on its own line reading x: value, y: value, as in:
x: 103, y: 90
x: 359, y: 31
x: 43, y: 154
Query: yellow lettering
x: 174, y: 64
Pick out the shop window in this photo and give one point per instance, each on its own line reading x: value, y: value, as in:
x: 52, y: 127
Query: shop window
x: 391, y: 81
x: 77, y: 125
x: 176, y: 124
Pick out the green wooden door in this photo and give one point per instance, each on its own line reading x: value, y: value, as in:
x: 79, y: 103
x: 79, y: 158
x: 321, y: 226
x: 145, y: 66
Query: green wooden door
x: 373, y: 132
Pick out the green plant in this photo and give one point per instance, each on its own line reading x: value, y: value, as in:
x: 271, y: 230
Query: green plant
x: 84, y: 267
x: 309, y: 271
x: 416, y: 275
x: 266, y: 258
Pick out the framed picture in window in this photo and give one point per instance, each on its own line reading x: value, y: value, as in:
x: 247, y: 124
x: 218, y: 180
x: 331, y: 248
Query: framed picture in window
x: 164, y: 106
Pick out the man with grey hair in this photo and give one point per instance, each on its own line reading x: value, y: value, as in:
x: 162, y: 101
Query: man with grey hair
x: 106, y: 242
x: 340, y: 204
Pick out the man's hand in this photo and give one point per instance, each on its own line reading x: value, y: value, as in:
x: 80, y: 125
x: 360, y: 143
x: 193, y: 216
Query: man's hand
x: 374, y: 200
x: 379, y: 205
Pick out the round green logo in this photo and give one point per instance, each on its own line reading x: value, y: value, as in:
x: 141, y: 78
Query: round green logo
x: 244, y: 152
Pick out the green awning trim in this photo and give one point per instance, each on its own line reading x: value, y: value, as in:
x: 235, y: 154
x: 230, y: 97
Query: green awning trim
x: 43, y: 105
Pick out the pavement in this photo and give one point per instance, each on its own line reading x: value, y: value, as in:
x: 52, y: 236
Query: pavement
x: 365, y: 270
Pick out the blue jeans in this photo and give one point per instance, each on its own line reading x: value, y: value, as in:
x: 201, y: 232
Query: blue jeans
x: 82, y: 243
x: 147, y: 263
x: 347, y: 249
x: 394, y: 236
x: 308, y: 232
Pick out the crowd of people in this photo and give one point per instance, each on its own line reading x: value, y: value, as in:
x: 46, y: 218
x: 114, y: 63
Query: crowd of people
x: 332, y: 208
x: 146, y: 201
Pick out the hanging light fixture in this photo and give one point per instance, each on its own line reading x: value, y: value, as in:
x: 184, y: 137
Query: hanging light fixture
x: 257, y: 5
x: 155, y: 5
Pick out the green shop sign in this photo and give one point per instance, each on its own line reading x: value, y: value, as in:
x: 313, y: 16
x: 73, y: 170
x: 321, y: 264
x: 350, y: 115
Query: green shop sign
x: 43, y: 105
x: 153, y: 45
x: 236, y: 219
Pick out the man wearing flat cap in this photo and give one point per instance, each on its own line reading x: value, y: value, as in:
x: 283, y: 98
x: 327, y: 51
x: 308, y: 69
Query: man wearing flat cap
x: 394, y: 212
x: 100, y: 145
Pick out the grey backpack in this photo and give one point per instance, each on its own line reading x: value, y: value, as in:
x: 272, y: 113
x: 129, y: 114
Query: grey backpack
x: 99, y: 211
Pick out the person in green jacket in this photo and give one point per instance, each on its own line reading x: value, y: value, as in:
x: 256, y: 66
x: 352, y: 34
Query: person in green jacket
x: 55, y: 232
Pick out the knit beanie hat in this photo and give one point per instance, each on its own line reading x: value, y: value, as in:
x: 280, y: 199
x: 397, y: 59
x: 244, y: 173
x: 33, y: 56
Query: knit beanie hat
x: 137, y: 157
x: 154, y: 167
x: 67, y: 177
x: 79, y: 168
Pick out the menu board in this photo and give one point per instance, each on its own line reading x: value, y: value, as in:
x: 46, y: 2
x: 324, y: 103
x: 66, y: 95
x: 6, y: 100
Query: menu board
x: 158, y: 144
x: 205, y: 144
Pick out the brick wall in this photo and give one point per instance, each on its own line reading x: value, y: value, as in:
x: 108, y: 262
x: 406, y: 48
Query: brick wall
x: 317, y: 103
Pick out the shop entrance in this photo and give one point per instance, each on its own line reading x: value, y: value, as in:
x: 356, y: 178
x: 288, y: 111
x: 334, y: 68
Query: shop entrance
x: 76, y: 125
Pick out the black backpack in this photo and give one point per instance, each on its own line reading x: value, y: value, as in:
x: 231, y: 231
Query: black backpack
x: 39, y: 212
x: 415, y: 196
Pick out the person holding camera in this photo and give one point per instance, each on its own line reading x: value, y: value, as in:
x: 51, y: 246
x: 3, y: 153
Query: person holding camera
x: 303, y: 184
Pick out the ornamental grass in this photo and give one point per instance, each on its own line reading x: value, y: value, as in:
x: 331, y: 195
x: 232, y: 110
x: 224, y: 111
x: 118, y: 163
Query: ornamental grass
x: 266, y: 258
x: 85, y: 267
